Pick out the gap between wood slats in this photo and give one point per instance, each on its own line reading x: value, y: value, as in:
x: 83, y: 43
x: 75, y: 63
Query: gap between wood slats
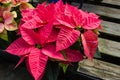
x: 109, y: 59
x: 110, y: 19
x: 109, y: 36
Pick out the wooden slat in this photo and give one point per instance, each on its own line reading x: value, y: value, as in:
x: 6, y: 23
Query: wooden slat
x: 109, y: 47
x: 101, y: 10
x: 114, y: 2
x: 111, y: 28
x: 97, y: 68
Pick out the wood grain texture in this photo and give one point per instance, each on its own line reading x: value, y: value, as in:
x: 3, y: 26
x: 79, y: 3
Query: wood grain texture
x: 101, y: 10
x: 109, y: 47
x: 97, y: 68
x: 114, y: 2
x: 111, y: 28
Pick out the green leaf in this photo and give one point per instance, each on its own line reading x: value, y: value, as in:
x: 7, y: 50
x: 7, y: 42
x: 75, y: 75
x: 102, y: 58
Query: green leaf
x: 97, y: 54
x: 7, y: 4
x: 52, y: 71
x: 64, y: 67
x: 4, y: 35
x: 64, y: 54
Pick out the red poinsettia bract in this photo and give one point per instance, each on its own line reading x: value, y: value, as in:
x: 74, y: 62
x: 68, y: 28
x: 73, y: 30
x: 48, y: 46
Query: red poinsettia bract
x: 75, y: 25
x: 36, y: 44
x: 48, y: 31
x: 37, y: 56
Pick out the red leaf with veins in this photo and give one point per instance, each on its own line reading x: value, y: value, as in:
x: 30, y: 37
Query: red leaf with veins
x: 73, y: 55
x: 45, y: 12
x: 29, y: 36
x: 70, y: 55
x: 59, y: 7
x: 78, y: 17
x: 19, y: 47
x: 50, y: 50
x: 90, y: 43
x: 44, y: 32
x: 31, y: 19
x: 37, y: 62
x: 27, y: 15
x: 66, y: 21
x: 91, y: 21
x: 53, y: 36
x: 33, y: 23
x: 66, y: 38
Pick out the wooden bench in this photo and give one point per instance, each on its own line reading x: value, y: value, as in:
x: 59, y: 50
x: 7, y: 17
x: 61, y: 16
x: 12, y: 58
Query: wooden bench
x: 108, y: 66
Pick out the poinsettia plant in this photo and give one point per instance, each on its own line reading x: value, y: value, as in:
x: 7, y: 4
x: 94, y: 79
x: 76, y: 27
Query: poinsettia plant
x: 55, y: 32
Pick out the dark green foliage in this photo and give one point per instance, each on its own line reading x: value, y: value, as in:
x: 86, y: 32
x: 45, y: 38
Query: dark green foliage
x: 52, y: 71
x: 97, y: 54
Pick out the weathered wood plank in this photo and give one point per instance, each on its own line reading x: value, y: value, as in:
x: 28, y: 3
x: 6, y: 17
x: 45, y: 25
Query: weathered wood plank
x: 97, y: 68
x: 114, y: 2
x: 101, y: 10
x: 109, y: 47
x: 111, y: 28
